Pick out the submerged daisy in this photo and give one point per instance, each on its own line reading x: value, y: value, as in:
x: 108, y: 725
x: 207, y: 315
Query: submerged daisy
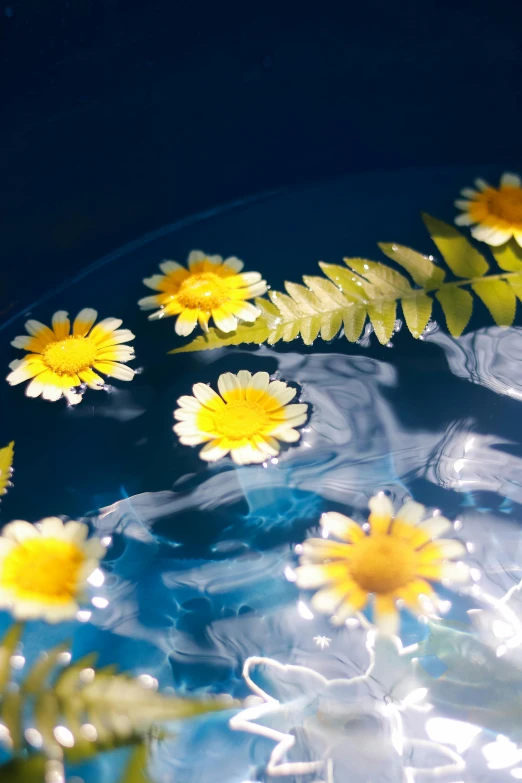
x: 248, y: 420
x: 44, y: 568
x: 395, y: 560
x: 6, y: 467
x: 496, y: 215
x: 60, y: 361
x: 209, y: 287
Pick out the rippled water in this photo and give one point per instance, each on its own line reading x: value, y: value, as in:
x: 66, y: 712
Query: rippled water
x: 196, y: 568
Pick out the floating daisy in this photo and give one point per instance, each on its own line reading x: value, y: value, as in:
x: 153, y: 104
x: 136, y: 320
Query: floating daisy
x: 209, y: 287
x: 6, y: 467
x: 396, y: 559
x: 60, y: 361
x: 495, y: 214
x: 44, y: 568
x: 248, y: 420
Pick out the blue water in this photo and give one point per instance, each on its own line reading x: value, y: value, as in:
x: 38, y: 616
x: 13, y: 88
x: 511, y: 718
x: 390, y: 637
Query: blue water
x: 196, y: 568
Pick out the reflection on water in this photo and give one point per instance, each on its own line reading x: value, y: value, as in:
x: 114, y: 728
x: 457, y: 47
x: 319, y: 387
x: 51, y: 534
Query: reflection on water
x: 197, y: 589
x: 198, y: 592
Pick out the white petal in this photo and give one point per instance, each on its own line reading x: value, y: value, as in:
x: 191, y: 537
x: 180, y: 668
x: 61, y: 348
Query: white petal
x: 182, y: 414
x: 469, y: 193
x: 148, y: 303
x: 35, y: 388
x: 499, y: 237
x: 455, y: 572
x: 411, y: 513
x: 381, y: 505
x: 310, y: 577
x: 51, y: 392
x: 464, y: 220
x: 281, y: 392
x: 233, y: 263
x: 94, y: 550
x: 481, y: 184
x: 259, y: 380
x: 286, y: 434
x: 212, y: 452
x: 337, y: 524
x: 327, y: 600
x: 195, y: 257
x: 224, y: 321
x: 189, y: 403
x: 387, y: 623
x: 194, y: 439
x: 227, y: 382
x: 155, y: 282
x: 167, y: 267
x: 461, y: 204
x: 186, y: 322
x: 435, y: 526
x: 244, y: 377
x: 250, y: 278
x: 75, y: 531
x: 19, y: 530
x: 21, y: 342
x: 509, y: 180
x: 451, y: 548
x: 52, y: 527
x: 483, y: 232
x: 206, y: 395
x: 73, y: 397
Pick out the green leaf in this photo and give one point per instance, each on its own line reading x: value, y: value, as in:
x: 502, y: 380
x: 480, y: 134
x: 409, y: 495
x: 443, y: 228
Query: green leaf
x: 7, y: 649
x: 257, y: 333
x: 460, y: 255
x: 417, y: 312
x: 421, y: 268
x: 6, y: 466
x: 382, y: 316
x: 136, y: 771
x: 387, y: 282
x: 515, y: 281
x: 37, y: 677
x: 349, y: 284
x: 499, y: 298
x: 508, y: 256
x: 321, y: 307
x: 353, y: 320
x: 28, y: 770
x: 457, y: 305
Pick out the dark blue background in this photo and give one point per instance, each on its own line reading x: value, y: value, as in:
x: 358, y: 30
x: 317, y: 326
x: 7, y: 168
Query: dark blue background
x: 119, y: 116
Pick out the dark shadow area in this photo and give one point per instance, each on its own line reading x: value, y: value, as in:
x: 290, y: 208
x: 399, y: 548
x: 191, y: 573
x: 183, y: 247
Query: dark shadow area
x: 122, y: 115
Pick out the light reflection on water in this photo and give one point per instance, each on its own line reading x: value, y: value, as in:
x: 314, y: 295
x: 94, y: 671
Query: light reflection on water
x: 203, y: 608
x: 196, y: 575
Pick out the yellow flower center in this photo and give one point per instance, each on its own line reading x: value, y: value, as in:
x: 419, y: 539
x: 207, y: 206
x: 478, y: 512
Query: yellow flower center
x: 205, y: 291
x: 382, y: 563
x: 505, y: 204
x: 70, y: 356
x: 43, y: 569
x: 240, y: 419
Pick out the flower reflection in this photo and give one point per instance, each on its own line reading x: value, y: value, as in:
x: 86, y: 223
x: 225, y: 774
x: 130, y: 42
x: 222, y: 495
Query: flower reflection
x: 342, y: 728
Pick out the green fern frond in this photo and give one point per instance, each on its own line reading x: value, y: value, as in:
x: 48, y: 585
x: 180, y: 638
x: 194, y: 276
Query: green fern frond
x: 94, y: 708
x: 6, y: 467
x: 347, y: 296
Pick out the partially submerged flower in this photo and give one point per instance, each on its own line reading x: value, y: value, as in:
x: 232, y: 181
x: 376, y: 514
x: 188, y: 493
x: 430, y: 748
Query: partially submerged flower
x: 44, y: 568
x: 210, y: 287
x: 494, y: 214
x: 60, y: 361
x: 396, y: 559
x: 6, y: 467
x: 248, y: 420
